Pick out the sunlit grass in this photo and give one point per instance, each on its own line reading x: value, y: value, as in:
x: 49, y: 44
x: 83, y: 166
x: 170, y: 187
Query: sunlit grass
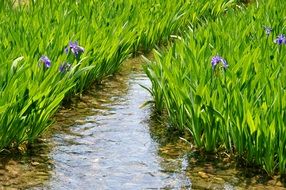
x: 237, y: 99
x: 37, y: 72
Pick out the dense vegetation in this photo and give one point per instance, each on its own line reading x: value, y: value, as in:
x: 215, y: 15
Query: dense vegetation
x: 52, y: 49
x: 224, y: 81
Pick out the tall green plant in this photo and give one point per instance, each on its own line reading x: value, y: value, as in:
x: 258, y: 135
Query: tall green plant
x: 37, y: 72
x: 226, y: 84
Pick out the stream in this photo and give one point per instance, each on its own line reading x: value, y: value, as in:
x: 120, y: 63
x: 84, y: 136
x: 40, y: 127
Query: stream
x: 106, y: 140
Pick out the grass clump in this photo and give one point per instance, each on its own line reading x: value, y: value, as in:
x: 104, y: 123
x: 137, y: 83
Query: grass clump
x: 225, y: 82
x: 52, y: 49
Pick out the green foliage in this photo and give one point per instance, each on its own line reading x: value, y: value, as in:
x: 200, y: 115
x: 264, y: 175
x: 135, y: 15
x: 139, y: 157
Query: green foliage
x: 108, y: 30
x: 241, y: 108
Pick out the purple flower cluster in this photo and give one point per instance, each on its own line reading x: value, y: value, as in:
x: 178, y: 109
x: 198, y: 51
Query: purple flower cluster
x: 75, y: 49
x: 46, y: 61
x: 72, y: 47
x: 216, y: 60
x: 280, y: 39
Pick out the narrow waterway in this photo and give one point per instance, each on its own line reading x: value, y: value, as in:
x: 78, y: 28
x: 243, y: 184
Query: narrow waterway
x: 105, y: 140
x: 108, y: 144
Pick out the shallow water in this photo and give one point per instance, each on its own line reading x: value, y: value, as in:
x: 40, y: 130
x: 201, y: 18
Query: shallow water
x: 104, y: 140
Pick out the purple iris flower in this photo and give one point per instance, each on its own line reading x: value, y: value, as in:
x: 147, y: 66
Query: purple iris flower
x: 74, y: 48
x: 64, y: 67
x: 44, y: 59
x: 216, y: 60
x: 280, y: 39
x: 267, y: 30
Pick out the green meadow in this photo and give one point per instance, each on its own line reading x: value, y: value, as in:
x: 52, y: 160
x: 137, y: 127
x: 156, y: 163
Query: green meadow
x: 224, y: 82
x: 53, y: 49
x: 218, y: 73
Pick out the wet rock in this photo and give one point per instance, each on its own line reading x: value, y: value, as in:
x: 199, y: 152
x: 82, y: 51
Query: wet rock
x: 35, y: 163
x: 218, y: 179
x: 42, y: 174
x: 50, y: 162
x: 279, y: 183
x: 80, y: 121
x: 203, y: 175
x: 13, y: 172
